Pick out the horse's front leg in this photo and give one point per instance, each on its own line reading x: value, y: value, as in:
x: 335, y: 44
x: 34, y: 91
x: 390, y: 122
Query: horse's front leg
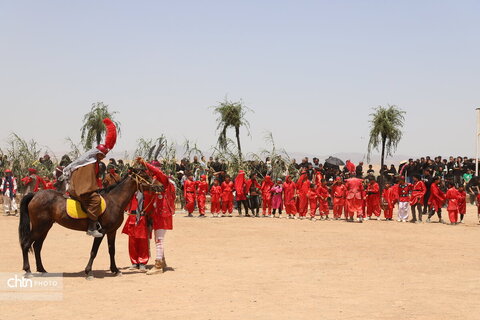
x: 93, y: 254
x: 111, y: 250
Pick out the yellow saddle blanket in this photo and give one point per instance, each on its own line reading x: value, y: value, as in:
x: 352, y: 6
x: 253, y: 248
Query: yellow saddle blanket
x: 75, y: 211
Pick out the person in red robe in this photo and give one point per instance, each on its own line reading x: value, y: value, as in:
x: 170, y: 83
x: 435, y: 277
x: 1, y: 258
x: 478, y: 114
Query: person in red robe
x: 215, y: 194
x: 266, y: 188
x: 164, y: 208
x: 350, y: 167
x: 373, y: 198
x: 339, y: 192
x: 388, y: 201
x: 323, y: 194
x: 241, y: 193
x: 452, y: 196
x: 289, y: 195
x: 303, y: 185
x: 253, y: 190
x: 312, y: 196
x: 189, y: 192
x: 33, y: 181
x: 227, y: 196
x: 436, y: 200
x: 354, y: 198
x: 202, y: 190
x: 416, y: 198
x: 138, y: 236
x: 462, y: 203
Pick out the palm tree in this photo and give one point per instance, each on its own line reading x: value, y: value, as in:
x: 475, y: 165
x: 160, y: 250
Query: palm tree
x: 231, y: 115
x: 385, y: 130
x: 93, y: 127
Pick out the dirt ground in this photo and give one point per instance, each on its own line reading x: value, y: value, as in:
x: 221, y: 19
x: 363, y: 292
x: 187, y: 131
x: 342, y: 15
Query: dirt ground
x: 261, y: 268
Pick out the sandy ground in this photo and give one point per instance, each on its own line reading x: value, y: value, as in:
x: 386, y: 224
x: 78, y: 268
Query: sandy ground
x: 245, y: 268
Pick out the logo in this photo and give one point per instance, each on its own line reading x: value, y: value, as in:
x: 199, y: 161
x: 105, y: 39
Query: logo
x: 39, y: 287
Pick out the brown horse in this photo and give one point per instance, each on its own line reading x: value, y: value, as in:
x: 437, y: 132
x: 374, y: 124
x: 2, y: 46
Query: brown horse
x: 39, y: 211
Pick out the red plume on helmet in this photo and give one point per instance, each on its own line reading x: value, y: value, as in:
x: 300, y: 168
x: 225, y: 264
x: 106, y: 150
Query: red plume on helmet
x: 110, y: 137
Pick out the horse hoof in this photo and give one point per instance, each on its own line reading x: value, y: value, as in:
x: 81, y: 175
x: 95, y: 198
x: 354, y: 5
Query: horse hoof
x: 28, y: 275
x: 118, y: 273
x: 89, y: 278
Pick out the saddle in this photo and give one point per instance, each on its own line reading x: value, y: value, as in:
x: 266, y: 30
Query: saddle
x: 75, y: 210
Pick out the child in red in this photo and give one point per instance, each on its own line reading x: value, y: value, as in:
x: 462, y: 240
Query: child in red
x: 312, y: 196
x: 388, y: 202
x: 462, y: 203
x: 227, y: 196
x: 452, y: 196
x: 322, y: 191
x: 373, y: 199
x: 266, y: 188
x: 215, y: 193
x: 338, y: 194
x: 202, y: 190
x: 137, y: 232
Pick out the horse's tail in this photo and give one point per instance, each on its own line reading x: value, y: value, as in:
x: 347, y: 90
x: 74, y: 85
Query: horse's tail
x: 24, y: 225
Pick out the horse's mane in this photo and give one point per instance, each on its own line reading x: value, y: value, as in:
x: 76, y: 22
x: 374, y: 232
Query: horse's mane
x: 112, y: 186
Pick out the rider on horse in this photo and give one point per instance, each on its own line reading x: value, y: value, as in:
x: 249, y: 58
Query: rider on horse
x: 82, y: 175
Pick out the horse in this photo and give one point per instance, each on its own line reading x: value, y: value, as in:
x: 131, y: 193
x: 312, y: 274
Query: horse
x: 39, y: 211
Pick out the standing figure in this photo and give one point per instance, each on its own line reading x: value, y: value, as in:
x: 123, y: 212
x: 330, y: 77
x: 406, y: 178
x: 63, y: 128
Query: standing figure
x: 227, y: 196
x: 462, y: 203
x: 289, y: 195
x: 277, y: 195
x: 189, y: 193
x: 338, y: 194
x: 312, y: 196
x: 162, y: 216
x: 266, y: 188
x: 436, y: 200
x: 388, y: 201
x: 373, y: 198
x: 215, y: 196
x: 322, y: 191
x: 303, y: 186
x: 416, y: 199
x: 241, y: 193
x: 452, y: 196
x: 136, y: 229
x: 404, y: 190
x: 253, y: 190
x: 9, y: 191
x: 202, y: 190
x: 354, y: 198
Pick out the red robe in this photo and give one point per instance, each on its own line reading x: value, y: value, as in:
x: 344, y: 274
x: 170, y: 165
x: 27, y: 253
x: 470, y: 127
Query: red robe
x: 164, y: 205
x: 215, y: 193
x: 354, y: 196
x: 388, y: 202
x: 227, y: 196
x: 418, y: 192
x: 202, y: 190
x: 373, y: 199
x: 266, y: 187
x: 303, y: 185
x: 462, y: 202
x: 312, y: 196
x: 437, y: 197
x: 138, y: 236
x: 240, y: 186
x: 452, y: 196
x: 323, y: 194
x: 189, y: 188
x: 339, y: 192
x: 289, y: 190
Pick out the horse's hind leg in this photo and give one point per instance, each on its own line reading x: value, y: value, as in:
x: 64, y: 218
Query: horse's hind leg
x: 111, y: 250
x: 26, y: 263
x: 37, y: 247
x: 93, y: 254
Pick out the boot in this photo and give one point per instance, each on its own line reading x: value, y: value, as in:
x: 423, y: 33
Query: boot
x: 157, y: 268
x: 92, y: 229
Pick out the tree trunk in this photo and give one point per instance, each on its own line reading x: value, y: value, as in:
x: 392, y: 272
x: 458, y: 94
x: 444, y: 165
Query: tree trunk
x: 382, y: 162
x: 99, y: 137
x: 237, y: 134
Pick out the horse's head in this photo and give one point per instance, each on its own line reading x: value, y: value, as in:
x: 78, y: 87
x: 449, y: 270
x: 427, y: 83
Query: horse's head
x: 144, y: 180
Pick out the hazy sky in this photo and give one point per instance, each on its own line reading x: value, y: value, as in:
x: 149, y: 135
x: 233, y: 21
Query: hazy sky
x: 310, y: 70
